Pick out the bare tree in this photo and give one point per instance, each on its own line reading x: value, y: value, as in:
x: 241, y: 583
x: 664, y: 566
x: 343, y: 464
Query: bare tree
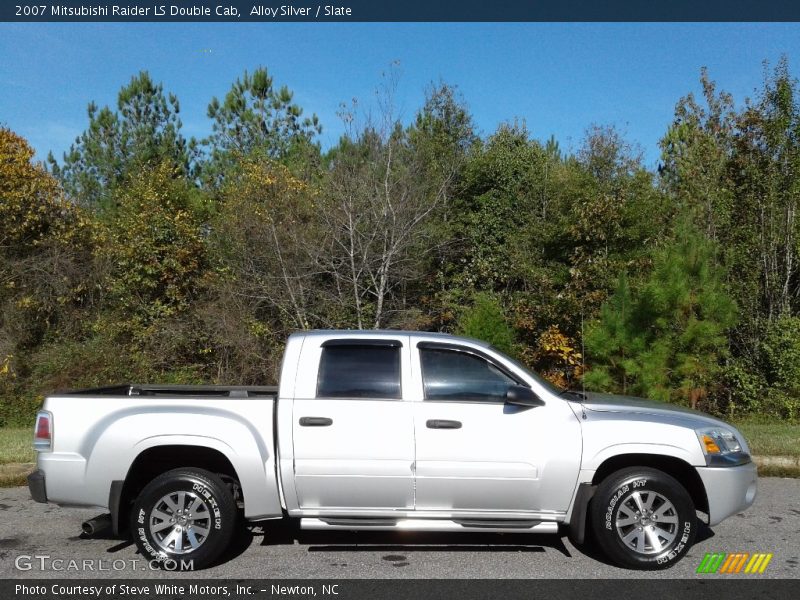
x: 267, y: 234
x: 378, y: 197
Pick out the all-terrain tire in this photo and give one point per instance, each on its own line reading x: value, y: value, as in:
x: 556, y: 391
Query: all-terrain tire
x: 184, y: 519
x: 643, y: 518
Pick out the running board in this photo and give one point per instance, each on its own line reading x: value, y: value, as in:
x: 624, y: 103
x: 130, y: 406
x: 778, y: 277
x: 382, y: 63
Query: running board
x: 473, y: 525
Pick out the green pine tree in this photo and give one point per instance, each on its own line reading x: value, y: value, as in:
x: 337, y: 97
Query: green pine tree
x: 666, y: 339
x: 255, y: 116
x: 142, y: 133
x: 485, y: 320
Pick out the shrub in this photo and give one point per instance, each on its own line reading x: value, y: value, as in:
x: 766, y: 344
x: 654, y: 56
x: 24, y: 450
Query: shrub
x: 485, y: 320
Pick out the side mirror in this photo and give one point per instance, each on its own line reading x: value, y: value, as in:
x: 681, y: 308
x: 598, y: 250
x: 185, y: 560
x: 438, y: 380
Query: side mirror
x: 522, y: 396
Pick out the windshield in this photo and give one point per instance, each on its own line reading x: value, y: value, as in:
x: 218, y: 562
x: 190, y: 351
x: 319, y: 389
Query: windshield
x: 538, y: 378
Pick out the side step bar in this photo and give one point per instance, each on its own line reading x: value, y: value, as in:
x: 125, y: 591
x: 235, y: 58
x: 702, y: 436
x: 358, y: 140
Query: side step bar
x: 472, y: 525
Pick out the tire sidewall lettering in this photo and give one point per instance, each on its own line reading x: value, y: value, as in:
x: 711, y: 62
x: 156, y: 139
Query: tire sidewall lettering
x: 212, y: 502
x: 154, y: 554
x: 618, y: 494
x: 141, y: 533
x: 679, y: 547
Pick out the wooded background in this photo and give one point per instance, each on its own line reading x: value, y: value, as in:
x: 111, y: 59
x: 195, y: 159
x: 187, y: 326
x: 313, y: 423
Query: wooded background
x: 145, y: 256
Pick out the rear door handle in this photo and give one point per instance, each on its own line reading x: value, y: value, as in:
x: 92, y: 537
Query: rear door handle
x: 315, y: 421
x: 443, y: 424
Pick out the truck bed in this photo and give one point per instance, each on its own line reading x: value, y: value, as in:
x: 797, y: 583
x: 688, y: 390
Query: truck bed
x: 194, y: 391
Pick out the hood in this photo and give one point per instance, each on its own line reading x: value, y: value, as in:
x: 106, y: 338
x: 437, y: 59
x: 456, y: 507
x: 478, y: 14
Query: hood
x: 628, y: 404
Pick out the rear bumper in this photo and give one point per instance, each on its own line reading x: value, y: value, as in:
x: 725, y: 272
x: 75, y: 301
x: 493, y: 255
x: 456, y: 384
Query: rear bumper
x: 729, y: 490
x: 36, y: 485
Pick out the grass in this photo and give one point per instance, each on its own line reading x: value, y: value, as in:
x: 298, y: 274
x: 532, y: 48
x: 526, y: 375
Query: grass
x: 12, y: 477
x: 775, y: 471
x: 16, y: 445
x: 771, y: 438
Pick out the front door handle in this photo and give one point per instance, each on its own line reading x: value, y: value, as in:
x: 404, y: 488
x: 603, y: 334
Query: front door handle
x: 443, y: 424
x: 315, y: 421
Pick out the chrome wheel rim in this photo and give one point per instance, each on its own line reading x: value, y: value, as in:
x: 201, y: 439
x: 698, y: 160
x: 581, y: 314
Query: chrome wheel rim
x: 647, y: 522
x: 180, y: 522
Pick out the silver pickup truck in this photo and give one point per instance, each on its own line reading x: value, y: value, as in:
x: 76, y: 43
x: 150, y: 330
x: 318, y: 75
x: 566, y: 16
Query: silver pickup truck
x: 390, y: 430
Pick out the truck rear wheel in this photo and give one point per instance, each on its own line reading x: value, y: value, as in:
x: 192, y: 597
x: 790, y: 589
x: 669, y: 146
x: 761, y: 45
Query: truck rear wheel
x: 183, y: 519
x: 643, y: 518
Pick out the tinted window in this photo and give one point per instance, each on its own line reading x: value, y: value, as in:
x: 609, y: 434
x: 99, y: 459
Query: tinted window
x: 453, y: 375
x: 359, y: 372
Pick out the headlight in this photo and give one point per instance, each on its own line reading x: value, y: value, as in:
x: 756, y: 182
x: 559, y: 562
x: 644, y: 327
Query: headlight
x: 721, y: 447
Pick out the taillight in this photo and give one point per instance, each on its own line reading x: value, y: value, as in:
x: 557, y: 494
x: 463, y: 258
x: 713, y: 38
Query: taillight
x: 43, y: 431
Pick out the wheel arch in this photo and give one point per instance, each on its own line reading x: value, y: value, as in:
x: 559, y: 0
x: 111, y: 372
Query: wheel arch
x: 155, y: 460
x: 681, y: 470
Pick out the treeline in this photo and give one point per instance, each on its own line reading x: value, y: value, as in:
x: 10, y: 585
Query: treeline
x: 142, y: 255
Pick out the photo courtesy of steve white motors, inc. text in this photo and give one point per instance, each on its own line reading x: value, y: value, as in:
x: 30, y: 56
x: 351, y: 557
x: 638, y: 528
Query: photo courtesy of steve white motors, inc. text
x: 172, y: 10
x: 172, y: 589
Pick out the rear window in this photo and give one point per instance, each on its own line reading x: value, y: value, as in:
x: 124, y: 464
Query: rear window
x: 359, y: 372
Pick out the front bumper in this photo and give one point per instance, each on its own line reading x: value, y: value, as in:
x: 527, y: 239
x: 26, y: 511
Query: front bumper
x: 729, y: 490
x: 37, y: 487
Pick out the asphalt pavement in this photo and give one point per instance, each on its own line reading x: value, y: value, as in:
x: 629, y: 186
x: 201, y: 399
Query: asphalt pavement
x: 44, y: 540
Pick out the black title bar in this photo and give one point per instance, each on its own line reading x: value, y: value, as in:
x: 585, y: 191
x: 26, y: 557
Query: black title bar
x: 398, y: 10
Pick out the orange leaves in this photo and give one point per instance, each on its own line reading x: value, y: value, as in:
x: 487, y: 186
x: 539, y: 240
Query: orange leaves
x: 555, y: 344
x: 559, y: 356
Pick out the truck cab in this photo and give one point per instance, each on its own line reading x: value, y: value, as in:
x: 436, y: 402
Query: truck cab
x: 422, y: 425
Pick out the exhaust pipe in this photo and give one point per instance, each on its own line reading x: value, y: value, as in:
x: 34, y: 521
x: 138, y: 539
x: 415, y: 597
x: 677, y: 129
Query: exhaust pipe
x: 96, y: 525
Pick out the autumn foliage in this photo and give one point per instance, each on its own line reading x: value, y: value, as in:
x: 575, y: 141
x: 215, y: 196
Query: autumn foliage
x: 142, y: 255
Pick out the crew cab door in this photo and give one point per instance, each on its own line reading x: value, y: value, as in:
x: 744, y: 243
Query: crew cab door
x: 478, y: 454
x: 353, y: 434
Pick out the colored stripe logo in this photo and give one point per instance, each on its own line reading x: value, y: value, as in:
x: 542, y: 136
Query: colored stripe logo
x: 736, y: 562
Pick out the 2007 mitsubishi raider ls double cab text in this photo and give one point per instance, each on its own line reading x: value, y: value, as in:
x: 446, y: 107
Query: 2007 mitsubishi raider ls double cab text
x: 390, y: 430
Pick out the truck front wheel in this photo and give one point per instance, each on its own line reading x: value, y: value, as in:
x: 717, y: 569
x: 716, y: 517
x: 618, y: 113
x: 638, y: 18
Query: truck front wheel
x: 183, y: 519
x: 643, y: 518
